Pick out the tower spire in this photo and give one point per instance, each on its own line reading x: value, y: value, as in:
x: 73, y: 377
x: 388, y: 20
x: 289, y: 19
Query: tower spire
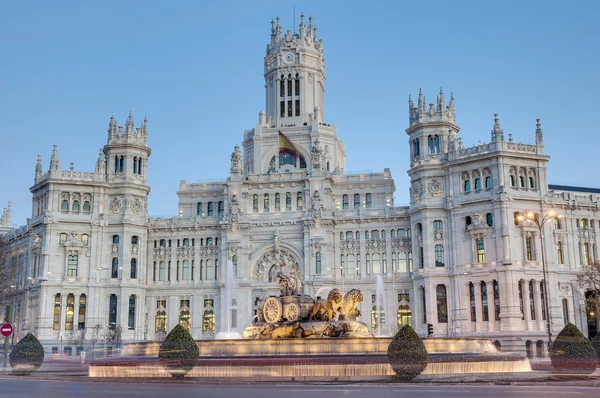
x: 54, y: 162
x: 497, y: 132
x: 539, y: 134
x: 302, y: 26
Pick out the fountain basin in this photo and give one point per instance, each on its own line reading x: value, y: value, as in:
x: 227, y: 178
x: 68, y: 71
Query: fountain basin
x: 312, y: 359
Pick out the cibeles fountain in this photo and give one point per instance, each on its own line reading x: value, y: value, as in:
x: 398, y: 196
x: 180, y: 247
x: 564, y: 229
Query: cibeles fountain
x: 295, y: 336
x: 297, y: 315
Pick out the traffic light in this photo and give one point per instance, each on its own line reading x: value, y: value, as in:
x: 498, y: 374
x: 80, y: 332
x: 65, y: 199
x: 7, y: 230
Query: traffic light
x: 429, y: 329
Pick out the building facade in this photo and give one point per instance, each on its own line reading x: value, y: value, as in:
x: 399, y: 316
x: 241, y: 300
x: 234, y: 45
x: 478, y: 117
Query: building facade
x: 463, y: 257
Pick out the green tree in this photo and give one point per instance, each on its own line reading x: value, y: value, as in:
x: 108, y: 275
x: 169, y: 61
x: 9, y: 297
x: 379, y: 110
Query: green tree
x: 178, y: 353
x: 573, y: 352
x: 407, y: 354
x: 27, y: 355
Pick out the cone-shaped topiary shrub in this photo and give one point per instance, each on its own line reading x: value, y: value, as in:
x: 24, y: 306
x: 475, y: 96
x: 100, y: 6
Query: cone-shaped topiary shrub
x: 407, y: 354
x: 179, y: 352
x: 573, y: 352
x: 596, y: 344
x: 27, y: 355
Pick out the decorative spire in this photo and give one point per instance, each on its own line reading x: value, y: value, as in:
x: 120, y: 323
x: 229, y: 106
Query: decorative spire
x: 101, y: 162
x: 54, y: 162
x: 38, y: 167
x: 539, y: 134
x: 112, y: 125
x: 315, y: 30
x: 310, y: 26
x: 129, y: 125
x: 278, y: 28
x: 410, y: 103
x: 302, y: 26
x: 442, y: 101
x: 497, y: 132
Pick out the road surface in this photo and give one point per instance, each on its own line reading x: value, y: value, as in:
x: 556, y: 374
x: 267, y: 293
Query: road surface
x: 11, y: 387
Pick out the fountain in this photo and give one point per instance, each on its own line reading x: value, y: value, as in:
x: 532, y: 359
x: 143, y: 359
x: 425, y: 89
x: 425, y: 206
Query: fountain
x: 381, y: 308
x: 300, y: 338
x: 230, y: 292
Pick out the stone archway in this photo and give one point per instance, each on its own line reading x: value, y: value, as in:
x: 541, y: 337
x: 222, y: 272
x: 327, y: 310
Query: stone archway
x: 269, y: 263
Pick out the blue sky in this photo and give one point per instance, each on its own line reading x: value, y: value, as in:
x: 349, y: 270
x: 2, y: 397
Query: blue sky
x: 195, y: 69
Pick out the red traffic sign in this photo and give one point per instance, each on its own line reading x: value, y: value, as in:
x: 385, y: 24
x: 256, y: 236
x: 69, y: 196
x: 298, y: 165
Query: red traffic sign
x: 6, y: 329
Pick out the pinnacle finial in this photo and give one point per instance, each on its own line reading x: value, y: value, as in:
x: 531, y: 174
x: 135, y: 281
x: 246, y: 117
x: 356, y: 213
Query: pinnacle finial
x: 539, y: 134
x: 497, y: 132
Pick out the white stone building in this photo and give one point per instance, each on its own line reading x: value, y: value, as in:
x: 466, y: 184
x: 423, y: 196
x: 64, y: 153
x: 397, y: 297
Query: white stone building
x: 457, y: 258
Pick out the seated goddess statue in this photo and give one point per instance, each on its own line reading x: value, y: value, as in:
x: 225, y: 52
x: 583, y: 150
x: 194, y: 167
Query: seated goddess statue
x: 289, y: 283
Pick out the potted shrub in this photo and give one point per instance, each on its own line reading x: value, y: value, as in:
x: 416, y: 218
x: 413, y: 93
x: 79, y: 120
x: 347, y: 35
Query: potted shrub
x: 26, y: 356
x: 572, y: 352
x: 179, y: 352
x: 596, y: 344
x: 407, y: 354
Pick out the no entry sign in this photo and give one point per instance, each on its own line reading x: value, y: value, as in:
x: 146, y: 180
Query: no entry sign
x: 6, y: 329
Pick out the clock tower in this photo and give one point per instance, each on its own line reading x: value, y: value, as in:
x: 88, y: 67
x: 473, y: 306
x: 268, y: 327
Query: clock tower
x: 294, y: 76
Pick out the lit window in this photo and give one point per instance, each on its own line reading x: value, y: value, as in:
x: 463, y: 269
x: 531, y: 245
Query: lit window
x: 529, y: 248
x: 586, y: 254
x: 56, y: 320
x: 442, y: 304
x: 82, y: 306
x: 480, y: 251
x: 70, y: 314
x: 559, y: 253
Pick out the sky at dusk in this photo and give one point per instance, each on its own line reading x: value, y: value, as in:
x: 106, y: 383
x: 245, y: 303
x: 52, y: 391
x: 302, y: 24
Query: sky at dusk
x: 195, y: 68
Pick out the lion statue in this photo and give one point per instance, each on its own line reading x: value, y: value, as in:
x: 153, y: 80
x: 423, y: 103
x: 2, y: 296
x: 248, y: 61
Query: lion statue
x: 351, y: 300
x: 325, y: 310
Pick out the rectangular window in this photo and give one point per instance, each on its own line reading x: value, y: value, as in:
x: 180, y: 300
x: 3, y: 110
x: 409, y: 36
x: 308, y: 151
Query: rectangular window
x: 299, y: 201
x: 288, y: 201
x: 221, y: 209
x: 115, y: 268
x: 282, y: 107
x: 297, y: 107
x: 297, y: 88
x: 439, y: 255
x: 255, y: 203
x: 421, y: 257
x: 199, y: 209
x: 424, y: 305
x: 472, y: 302
x: 290, y: 108
x: 442, y: 304
x: 277, y: 201
x: 186, y: 270
x: 437, y: 225
x: 209, y: 209
x: 162, y: 271
x: 282, y: 88
x: 497, y: 300
x: 369, y: 201
x: 480, y: 250
x: 131, y: 315
x: 484, y: 302
x: 72, y: 266
x: 289, y: 88
x: 529, y: 248
x: 266, y: 204
x: 543, y: 299
x: 531, y: 301
x: 345, y: 202
x: 356, y: 201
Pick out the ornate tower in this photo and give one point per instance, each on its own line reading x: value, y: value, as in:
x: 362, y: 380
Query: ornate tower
x: 294, y: 76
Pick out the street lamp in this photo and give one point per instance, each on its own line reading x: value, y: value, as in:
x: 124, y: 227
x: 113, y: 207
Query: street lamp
x: 531, y: 217
x: 342, y: 275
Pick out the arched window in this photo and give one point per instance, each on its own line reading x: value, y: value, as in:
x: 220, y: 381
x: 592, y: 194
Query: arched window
x: 565, y: 307
x: 81, y: 318
x: 266, y: 204
x: 121, y: 164
x: 393, y: 234
x: 356, y: 201
x: 70, y: 314
x: 439, y: 255
x: 135, y: 164
x: 484, y: 303
x: 72, y: 266
x: 134, y: 240
x: 209, y: 241
x: 477, y: 184
x: 297, y: 86
x: 282, y: 87
x: 221, y: 209
x: 404, y: 315
x: 115, y: 268
x: 287, y: 158
x: 349, y: 235
x: 367, y: 235
x: 442, y: 304
x: 85, y: 239
x: 87, y: 207
x: 521, y: 181
x: 115, y: 239
x: 131, y: 313
x: 436, y: 144
x: 342, y: 236
x: 468, y: 221
x: 234, y: 261
x: 299, y: 201
x: 497, y: 300
x: 277, y: 201
x: 116, y: 164
x: 472, y: 302
x: 209, y: 208
x: 186, y: 242
x: 185, y: 319
x: 345, y: 202
x: 467, y: 186
x: 63, y: 238
x: 288, y: 201
x: 163, y: 243
x: 160, y: 319
x: 112, y: 310
x: 512, y: 180
x: 208, y: 321
x: 64, y: 205
x: 133, y: 269
x: 430, y: 145
x: 488, y: 182
x: 490, y: 219
x: 76, y: 205
x: 531, y: 183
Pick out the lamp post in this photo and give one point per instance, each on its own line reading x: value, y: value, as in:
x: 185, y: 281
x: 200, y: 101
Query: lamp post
x: 539, y: 223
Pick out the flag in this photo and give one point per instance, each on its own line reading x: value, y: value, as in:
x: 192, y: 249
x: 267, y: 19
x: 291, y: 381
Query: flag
x: 285, y: 145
